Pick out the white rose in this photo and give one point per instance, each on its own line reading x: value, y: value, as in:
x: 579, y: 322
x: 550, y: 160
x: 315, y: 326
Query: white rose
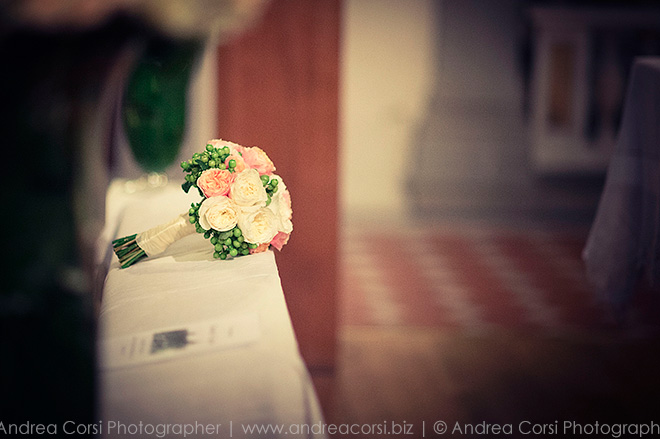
x: 280, y: 186
x: 247, y: 190
x: 258, y: 227
x: 218, y: 213
x: 281, y: 206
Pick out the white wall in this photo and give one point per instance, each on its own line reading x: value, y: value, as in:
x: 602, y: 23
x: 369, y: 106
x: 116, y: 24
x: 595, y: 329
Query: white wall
x: 387, y: 74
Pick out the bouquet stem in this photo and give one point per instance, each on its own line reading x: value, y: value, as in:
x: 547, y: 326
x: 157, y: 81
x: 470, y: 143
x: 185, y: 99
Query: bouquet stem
x: 127, y: 250
x: 133, y: 248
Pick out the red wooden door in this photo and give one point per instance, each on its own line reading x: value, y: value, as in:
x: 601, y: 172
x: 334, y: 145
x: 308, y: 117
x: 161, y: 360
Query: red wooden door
x: 278, y: 89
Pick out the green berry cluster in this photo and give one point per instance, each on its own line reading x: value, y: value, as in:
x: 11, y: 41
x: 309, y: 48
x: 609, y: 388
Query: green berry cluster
x: 229, y: 244
x: 212, y: 157
x: 226, y: 244
x: 270, y: 184
x: 193, y: 216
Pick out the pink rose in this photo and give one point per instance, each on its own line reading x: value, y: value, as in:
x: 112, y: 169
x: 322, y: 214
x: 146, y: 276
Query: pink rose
x: 286, y: 196
x: 280, y: 240
x: 240, y: 163
x: 215, y: 182
x: 257, y: 159
x: 235, y: 148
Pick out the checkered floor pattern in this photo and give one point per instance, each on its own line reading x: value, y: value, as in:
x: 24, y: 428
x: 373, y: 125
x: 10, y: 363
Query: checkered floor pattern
x: 471, y: 279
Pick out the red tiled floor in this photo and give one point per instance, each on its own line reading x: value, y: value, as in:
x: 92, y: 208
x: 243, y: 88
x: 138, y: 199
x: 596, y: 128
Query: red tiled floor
x: 470, y: 279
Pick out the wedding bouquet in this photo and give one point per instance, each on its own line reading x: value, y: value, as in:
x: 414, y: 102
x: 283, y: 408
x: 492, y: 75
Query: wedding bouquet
x: 245, y: 207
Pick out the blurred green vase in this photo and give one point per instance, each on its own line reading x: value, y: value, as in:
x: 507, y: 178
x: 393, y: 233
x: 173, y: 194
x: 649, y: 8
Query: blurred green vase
x: 154, y: 108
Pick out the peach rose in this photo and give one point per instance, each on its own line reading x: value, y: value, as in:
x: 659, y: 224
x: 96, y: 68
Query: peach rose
x: 215, y: 182
x: 257, y: 159
x: 260, y: 249
x: 240, y: 163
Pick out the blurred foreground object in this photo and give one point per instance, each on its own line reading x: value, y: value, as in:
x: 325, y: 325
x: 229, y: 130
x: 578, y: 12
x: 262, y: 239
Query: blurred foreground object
x: 154, y: 107
x: 59, y: 59
x: 175, y: 18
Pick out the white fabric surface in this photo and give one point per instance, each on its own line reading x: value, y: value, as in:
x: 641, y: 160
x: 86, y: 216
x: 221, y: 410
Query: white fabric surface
x: 264, y: 382
x: 623, y: 242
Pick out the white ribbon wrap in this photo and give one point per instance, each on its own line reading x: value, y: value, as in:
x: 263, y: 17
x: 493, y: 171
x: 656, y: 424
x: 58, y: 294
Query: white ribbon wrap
x: 154, y: 241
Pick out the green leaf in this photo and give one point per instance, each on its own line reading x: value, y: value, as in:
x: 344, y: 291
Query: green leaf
x: 224, y: 235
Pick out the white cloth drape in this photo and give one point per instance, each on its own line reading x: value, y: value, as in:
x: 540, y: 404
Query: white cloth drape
x: 262, y: 382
